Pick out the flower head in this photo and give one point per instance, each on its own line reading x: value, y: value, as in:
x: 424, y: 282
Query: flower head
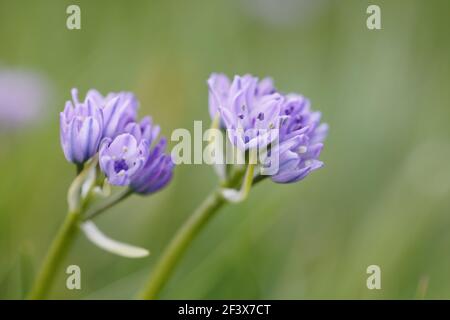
x: 255, y: 115
x: 107, y: 125
x: 249, y: 109
x: 300, y: 141
x: 81, y: 126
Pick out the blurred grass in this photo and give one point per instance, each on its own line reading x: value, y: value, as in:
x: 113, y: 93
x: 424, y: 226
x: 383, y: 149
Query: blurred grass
x: 383, y: 197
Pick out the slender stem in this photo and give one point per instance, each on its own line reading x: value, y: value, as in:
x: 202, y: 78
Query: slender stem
x: 58, y: 250
x: 179, y: 244
x: 69, y: 229
x: 183, y: 238
x: 116, y: 198
x: 80, y: 167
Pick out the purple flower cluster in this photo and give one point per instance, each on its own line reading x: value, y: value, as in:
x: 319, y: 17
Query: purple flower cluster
x: 128, y: 152
x: 254, y: 114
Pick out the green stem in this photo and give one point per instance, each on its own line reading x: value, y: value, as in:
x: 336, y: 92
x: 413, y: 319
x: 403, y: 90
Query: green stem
x: 179, y: 244
x: 116, y: 198
x: 79, y: 167
x: 55, y: 256
x: 183, y: 238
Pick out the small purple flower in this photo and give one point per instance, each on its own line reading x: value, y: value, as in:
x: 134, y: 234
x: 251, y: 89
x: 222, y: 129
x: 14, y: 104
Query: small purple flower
x: 129, y: 159
x: 119, y: 109
x: 81, y: 126
x: 122, y: 158
x: 249, y: 109
x: 156, y: 173
x: 300, y: 141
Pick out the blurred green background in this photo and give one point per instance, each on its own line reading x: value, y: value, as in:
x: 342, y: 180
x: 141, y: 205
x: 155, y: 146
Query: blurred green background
x: 382, y: 198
